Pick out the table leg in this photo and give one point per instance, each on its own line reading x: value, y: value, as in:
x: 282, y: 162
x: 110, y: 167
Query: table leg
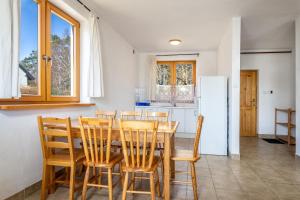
x: 172, y: 147
x: 167, y: 156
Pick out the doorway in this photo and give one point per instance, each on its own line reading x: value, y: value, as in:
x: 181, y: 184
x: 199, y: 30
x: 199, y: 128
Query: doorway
x: 248, y: 103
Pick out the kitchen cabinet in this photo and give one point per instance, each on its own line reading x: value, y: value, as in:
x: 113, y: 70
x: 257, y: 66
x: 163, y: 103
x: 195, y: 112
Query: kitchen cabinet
x: 178, y: 115
x: 186, y: 116
x: 190, y: 120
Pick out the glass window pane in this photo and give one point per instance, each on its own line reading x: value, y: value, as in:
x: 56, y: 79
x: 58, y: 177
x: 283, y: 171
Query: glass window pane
x: 29, y: 68
x: 62, y: 56
x: 184, y: 74
x: 163, y: 74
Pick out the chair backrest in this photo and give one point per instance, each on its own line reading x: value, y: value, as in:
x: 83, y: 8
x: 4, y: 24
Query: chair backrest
x: 131, y: 115
x: 106, y: 114
x: 198, y: 135
x: 96, y: 138
x: 138, y: 143
x: 54, y: 138
x: 159, y: 116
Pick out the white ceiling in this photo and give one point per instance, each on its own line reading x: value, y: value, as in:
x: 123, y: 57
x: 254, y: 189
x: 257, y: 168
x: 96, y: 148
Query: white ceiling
x: 200, y: 24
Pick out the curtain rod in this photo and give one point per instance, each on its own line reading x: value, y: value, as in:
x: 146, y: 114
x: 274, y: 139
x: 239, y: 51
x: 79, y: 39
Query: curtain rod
x: 87, y: 8
x: 266, y: 51
x: 180, y: 54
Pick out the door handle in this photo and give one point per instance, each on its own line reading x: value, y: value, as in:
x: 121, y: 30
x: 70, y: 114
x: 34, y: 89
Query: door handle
x: 47, y: 59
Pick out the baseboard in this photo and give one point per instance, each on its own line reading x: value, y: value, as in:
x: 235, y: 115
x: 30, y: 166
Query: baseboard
x: 235, y: 156
x: 185, y: 135
x: 266, y: 136
x: 23, y: 194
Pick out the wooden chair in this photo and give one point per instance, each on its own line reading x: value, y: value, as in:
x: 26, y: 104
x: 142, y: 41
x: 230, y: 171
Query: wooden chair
x: 159, y: 116
x: 135, y: 137
x: 190, y: 156
x: 131, y: 115
x: 97, y: 138
x: 57, y: 153
x: 106, y: 114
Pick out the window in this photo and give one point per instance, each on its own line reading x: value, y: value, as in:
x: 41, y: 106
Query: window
x: 29, y: 40
x: 49, y: 54
x: 175, y: 81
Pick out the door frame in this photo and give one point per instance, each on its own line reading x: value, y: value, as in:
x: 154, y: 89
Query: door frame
x: 257, y: 100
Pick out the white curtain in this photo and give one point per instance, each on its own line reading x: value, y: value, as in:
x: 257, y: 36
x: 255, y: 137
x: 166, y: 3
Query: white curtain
x: 153, y: 69
x: 9, y: 48
x: 96, y: 87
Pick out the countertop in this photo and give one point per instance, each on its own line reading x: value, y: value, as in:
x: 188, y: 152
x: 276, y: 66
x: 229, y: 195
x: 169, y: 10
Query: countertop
x: 186, y: 106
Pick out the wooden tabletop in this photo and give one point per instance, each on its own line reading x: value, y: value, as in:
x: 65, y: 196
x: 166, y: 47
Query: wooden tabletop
x: 165, y: 127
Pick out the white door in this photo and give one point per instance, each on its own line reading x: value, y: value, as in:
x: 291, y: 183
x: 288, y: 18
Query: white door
x: 190, y: 120
x: 178, y: 115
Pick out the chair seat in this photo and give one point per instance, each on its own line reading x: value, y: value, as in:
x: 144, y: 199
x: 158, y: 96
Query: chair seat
x: 114, y: 159
x: 184, y: 155
x: 63, y: 158
x: 154, y: 165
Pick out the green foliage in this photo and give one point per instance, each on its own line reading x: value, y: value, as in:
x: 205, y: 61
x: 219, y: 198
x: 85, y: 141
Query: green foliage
x: 30, y: 63
x: 61, y: 65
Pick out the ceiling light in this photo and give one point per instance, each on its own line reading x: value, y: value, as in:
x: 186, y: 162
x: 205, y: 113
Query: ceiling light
x: 175, y: 42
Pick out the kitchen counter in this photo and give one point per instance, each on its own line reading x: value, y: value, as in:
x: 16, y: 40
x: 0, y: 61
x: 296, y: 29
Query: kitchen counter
x: 181, y: 106
x: 185, y: 114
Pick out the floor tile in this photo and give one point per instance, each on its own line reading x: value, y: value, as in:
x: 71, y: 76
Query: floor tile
x: 264, y: 172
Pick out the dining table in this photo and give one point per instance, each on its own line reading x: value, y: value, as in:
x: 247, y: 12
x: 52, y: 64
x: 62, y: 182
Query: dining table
x: 165, y: 135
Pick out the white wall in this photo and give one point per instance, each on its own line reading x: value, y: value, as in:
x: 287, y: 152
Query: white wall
x: 228, y: 64
x: 120, y: 72
x: 276, y: 73
x: 20, y: 152
x: 267, y: 32
x: 297, y: 75
x: 20, y: 149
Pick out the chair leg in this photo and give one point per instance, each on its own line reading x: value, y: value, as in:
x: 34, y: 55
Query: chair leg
x: 121, y: 174
x: 85, y: 182
x: 194, y: 179
x: 100, y: 177
x: 125, y: 185
x: 72, y: 181
x: 132, y: 181
x: 152, y: 186
x: 44, y: 191
x: 67, y: 178
x: 80, y: 170
x: 162, y: 162
x: 51, y: 179
x: 110, y: 187
x: 157, y: 183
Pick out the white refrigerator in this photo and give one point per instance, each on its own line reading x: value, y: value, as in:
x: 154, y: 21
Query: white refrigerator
x: 212, y: 102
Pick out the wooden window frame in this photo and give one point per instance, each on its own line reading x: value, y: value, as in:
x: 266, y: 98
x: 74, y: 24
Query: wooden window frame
x: 173, y: 69
x: 44, y: 84
x: 76, y: 77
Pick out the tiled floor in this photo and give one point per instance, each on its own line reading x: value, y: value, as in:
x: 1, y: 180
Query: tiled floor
x: 265, y: 171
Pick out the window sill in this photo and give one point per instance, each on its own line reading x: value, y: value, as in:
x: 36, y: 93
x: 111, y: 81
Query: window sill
x: 9, y: 107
